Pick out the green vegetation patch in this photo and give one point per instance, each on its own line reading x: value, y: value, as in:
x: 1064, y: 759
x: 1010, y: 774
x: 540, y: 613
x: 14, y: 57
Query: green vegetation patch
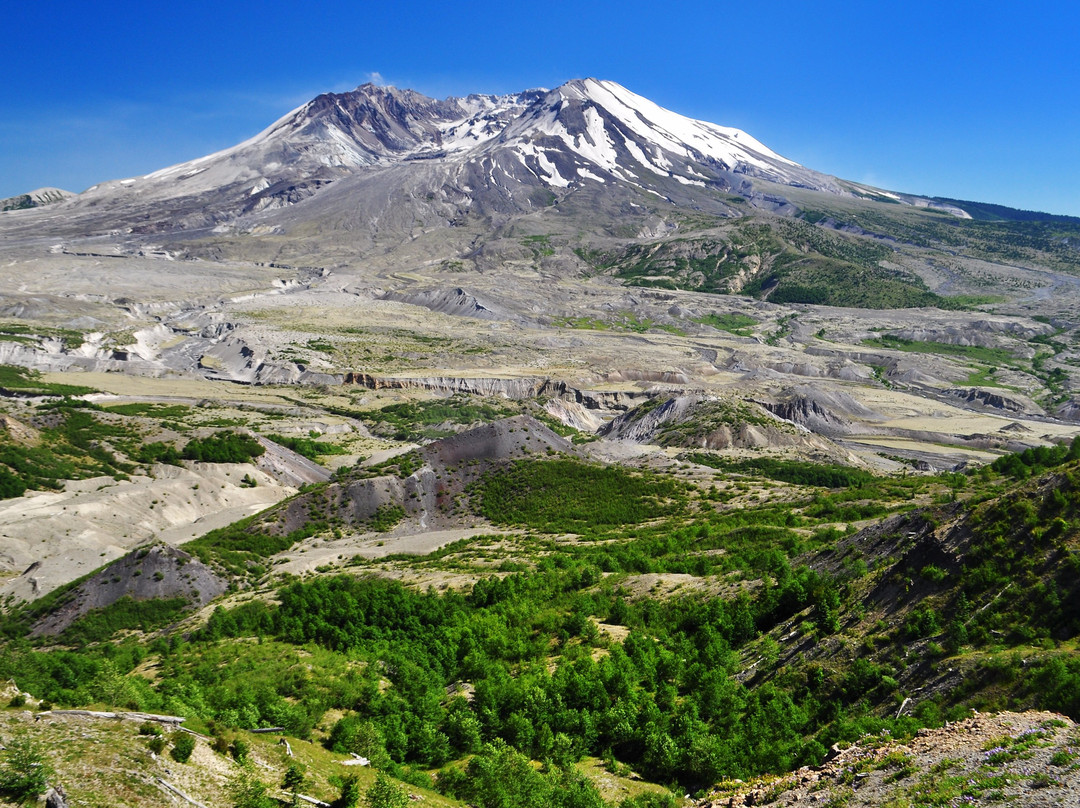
x: 417, y: 420
x: 584, y: 323
x: 701, y: 264
x: 976, y: 353
x: 401, y: 466
x: 787, y: 261
x: 708, y: 416
x: 539, y: 245
x: 741, y: 325
x: 223, y: 447
x: 74, y: 445
x: 1022, y: 541
x: 308, y: 447
x: 125, y: 614
x: 150, y: 410
x: 1036, y: 460
x: 20, y: 332
x: 386, y: 518
x: 29, y: 381
x: 798, y: 472
x: 243, y: 547
x: 831, y: 282
x: 569, y: 496
x: 1046, y: 242
x: 158, y: 452
x: 622, y: 321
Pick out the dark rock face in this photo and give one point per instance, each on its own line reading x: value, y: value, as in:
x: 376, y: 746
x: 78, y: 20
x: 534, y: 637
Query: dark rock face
x: 985, y: 398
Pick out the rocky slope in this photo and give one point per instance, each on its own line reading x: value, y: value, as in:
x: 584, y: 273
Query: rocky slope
x: 1027, y: 758
x: 421, y: 487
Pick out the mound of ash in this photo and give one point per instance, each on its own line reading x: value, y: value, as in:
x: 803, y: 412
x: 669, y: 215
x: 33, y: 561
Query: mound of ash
x: 993, y: 400
x: 704, y: 422
x: 825, y: 412
x: 420, y: 485
x: 160, y: 572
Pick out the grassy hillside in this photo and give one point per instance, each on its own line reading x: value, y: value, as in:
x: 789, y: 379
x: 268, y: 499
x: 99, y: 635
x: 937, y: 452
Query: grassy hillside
x: 786, y: 637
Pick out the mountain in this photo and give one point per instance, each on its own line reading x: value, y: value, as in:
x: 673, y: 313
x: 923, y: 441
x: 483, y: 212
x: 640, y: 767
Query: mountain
x: 493, y: 154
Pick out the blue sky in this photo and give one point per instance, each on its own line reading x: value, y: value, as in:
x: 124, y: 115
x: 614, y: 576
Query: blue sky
x: 974, y: 100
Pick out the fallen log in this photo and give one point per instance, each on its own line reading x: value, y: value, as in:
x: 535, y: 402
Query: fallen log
x: 179, y: 793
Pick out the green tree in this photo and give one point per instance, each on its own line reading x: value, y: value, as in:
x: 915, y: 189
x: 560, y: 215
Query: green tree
x: 24, y: 772
x: 183, y: 746
x: 246, y: 790
x: 350, y: 793
x: 385, y: 793
x: 293, y: 782
x: 502, y: 777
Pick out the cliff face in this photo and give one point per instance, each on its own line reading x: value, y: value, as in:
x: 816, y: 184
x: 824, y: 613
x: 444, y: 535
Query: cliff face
x: 517, y: 388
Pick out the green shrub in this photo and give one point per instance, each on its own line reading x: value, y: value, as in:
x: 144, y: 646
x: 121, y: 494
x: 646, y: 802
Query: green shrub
x: 569, y: 496
x: 385, y: 793
x: 350, y: 792
x: 246, y: 790
x: 309, y: 448
x: 24, y: 772
x: 183, y: 746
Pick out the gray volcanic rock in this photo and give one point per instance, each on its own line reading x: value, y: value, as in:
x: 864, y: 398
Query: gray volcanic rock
x: 450, y: 301
x: 287, y: 466
x: 825, y: 412
x: 501, y: 440
x: 995, y: 400
x: 1070, y: 410
x: 425, y: 494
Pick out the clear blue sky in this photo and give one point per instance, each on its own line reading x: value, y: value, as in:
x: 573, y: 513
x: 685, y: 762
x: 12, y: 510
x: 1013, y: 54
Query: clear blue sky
x: 975, y: 100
